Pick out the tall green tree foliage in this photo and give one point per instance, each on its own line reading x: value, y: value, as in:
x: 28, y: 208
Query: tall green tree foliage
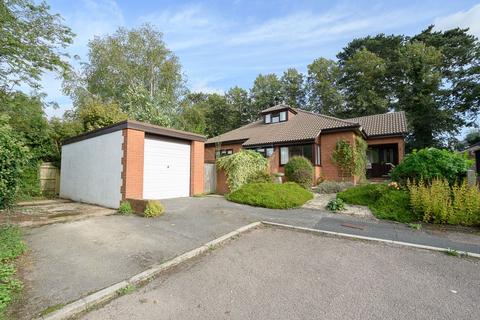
x: 266, y: 92
x: 364, y: 84
x: 433, y: 76
x: 239, y: 100
x: 323, y: 91
x: 134, y: 69
x: 220, y: 116
x: 31, y: 42
x: 14, y: 156
x: 418, y: 92
x: 293, y: 88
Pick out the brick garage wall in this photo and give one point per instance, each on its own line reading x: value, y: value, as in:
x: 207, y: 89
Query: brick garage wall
x: 327, y: 144
x: 400, y: 141
x: 197, y: 150
x: 132, y: 161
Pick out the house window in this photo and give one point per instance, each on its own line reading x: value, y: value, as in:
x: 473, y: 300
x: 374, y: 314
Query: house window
x: 276, y: 117
x: 301, y: 150
x: 224, y: 152
x: 317, y: 155
x: 266, y: 152
x: 268, y: 118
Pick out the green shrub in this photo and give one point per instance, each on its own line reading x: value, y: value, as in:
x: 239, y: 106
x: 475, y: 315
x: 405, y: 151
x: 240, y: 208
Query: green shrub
x: 466, y: 205
x: 260, y: 176
x: 363, y: 195
x: 332, y: 187
x: 438, y: 202
x: 271, y: 195
x: 299, y: 170
x: 242, y: 166
x: 350, y: 160
x: 11, y: 246
x: 153, y: 209
x: 125, y: 208
x: 336, y: 205
x: 428, y: 164
x: 13, y: 159
x: 384, y: 202
x: 394, y: 205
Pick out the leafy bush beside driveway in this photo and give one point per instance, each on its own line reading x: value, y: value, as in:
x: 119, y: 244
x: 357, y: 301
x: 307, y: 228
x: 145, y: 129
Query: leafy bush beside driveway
x: 385, y: 202
x: 271, y: 195
x: 11, y: 246
x: 299, y: 170
x: 430, y: 163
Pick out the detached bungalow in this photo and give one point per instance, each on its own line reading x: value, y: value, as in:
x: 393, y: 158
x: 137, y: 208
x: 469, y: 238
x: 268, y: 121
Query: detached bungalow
x: 284, y: 132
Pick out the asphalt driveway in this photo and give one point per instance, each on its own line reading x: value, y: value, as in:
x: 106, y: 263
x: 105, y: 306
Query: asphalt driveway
x: 67, y: 261
x: 280, y: 274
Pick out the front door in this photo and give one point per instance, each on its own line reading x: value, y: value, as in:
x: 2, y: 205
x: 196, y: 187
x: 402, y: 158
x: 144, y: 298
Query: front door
x: 381, y: 160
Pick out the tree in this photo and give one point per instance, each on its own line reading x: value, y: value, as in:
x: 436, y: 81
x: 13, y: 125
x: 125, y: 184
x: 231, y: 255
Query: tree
x: 219, y: 115
x: 13, y: 158
x: 418, y: 94
x: 473, y: 137
x: 134, y: 69
x: 192, y: 119
x: 460, y: 72
x: 364, y: 84
x: 239, y: 101
x: 95, y: 114
x: 266, y: 92
x: 29, y: 43
x: 324, y: 95
x: 27, y: 118
x: 293, y: 89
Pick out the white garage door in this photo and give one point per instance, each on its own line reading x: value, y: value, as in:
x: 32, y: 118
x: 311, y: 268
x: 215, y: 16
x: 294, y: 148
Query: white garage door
x: 166, y: 168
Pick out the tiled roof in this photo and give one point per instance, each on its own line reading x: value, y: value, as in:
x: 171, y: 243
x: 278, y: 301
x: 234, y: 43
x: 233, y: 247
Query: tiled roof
x: 303, y: 126
x: 383, y: 124
x: 308, y: 125
x: 278, y: 107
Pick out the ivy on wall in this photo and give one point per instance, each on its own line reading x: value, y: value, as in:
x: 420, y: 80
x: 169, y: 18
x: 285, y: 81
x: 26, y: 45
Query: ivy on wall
x: 240, y: 167
x: 350, y: 160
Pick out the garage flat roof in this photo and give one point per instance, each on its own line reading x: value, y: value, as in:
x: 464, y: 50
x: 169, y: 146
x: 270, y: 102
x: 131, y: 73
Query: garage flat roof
x: 140, y: 126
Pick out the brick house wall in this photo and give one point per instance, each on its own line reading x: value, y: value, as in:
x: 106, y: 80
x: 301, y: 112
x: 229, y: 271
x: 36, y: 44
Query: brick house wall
x: 197, y: 152
x: 329, y: 170
x: 399, y: 141
x: 133, y: 152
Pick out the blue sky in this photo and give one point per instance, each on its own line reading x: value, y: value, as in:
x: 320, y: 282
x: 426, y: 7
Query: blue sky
x: 221, y: 44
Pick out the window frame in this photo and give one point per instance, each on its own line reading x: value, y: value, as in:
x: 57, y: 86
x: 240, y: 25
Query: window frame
x: 223, y: 152
x: 312, y: 158
x: 275, y: 115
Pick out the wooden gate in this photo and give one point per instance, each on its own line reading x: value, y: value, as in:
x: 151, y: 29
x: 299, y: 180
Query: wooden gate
x: 210, y: 178
x: 49, y: 179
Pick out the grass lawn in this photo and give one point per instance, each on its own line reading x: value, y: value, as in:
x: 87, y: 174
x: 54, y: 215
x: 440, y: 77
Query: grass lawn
x: 271, y: 195
x: 384, y: 202
x: 11, y: 246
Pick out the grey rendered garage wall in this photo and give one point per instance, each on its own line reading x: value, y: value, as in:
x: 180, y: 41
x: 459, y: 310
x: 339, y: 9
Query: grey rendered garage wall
x: 91, y: 170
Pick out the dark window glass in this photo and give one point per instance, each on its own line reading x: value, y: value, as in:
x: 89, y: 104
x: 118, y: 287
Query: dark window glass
x: 287, y: 153
x: 224, y: 152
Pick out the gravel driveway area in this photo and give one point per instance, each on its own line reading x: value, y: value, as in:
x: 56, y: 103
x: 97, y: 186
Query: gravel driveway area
x: 273, y: 273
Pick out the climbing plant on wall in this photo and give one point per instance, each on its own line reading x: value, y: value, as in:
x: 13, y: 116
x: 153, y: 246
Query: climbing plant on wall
x: 350, y: 160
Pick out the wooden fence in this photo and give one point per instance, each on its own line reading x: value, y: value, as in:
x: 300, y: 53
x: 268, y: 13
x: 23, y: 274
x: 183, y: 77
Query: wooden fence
x: 49, y: 178
x: 210, y: 178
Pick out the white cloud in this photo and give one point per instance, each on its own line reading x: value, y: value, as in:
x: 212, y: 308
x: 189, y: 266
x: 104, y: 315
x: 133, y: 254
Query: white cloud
x: 93, y: 18
x: 203, y: 85
x: 463, y: 19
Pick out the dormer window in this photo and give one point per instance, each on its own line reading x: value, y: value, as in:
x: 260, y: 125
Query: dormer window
x: 276, y: 117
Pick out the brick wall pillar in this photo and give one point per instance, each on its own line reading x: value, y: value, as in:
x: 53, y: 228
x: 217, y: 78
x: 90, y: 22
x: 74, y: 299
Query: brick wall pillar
x: 132, y: 174
x: 197, y: 159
